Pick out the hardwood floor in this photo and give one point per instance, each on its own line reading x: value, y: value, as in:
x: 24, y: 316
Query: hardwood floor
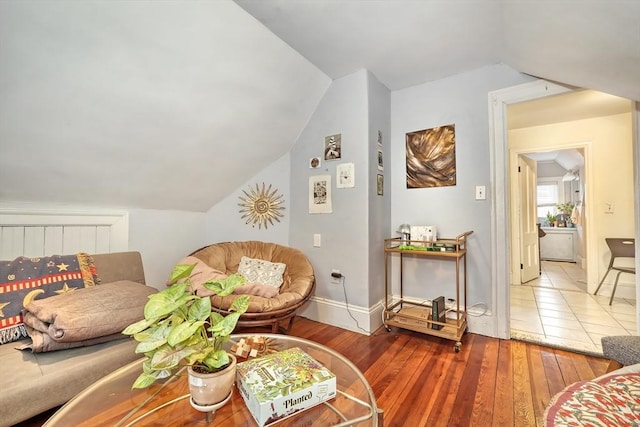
x: 419, y: 380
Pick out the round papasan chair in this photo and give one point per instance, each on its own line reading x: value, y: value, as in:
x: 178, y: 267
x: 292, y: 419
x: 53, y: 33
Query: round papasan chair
x: 274, y: 308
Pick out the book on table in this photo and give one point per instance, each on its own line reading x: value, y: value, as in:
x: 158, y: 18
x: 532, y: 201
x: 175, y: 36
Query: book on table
x: 278, y: 385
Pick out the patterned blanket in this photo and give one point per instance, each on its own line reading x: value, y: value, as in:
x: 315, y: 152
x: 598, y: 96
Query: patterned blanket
x: 25, y: 279
x: 607, y: 401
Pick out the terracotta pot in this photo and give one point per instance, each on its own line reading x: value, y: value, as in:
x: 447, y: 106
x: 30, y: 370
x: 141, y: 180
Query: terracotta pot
x: 209, y: 389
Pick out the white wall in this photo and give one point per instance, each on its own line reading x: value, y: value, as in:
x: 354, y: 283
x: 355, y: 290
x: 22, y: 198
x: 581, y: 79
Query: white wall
x: 224, y: 222
x: 163, y: 238
x: 379, y: 99
x: 344, y: 232
x: 459, y: 100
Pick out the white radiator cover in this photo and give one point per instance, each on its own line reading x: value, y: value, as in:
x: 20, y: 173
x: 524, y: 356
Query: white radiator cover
x: 57, y: 232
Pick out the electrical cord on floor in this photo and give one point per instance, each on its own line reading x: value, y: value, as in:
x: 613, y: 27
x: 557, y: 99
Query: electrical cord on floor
x: 478, y: 304
x: 346, y: 301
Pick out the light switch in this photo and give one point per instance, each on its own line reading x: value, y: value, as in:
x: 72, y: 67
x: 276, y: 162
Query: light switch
x: 609, y: 207
x: 481, y: 192
x: 317, y: 239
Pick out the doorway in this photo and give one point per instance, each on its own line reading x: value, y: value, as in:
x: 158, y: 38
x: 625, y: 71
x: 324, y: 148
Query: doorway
x: 501, y: 220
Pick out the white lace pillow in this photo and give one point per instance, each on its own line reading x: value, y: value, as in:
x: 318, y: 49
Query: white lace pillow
x: 261, y: 271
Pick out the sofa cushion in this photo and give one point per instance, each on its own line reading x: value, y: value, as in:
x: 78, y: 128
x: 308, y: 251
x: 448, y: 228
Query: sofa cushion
x: 25, y: 279
x: 35, y: 382
x: 262, y: 271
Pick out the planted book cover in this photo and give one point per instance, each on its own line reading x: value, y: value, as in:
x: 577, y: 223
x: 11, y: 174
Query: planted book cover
x: 278, y: 385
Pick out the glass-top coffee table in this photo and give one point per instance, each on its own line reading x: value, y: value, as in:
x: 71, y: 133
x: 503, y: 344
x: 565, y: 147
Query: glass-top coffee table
x: 112, y: 402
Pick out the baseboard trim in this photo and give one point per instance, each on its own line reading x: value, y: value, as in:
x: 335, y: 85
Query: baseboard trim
x: 367, y: 320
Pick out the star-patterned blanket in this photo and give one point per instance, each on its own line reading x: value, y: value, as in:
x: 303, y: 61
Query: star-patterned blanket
x: 25, y: 279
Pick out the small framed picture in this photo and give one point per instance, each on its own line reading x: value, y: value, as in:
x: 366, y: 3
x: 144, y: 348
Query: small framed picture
x: 380, y: 185
x: 333, y: 147
x: 314, y: 162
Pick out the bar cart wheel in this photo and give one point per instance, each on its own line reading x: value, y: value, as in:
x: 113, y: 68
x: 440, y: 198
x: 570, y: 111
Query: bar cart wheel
x: 456, y: 347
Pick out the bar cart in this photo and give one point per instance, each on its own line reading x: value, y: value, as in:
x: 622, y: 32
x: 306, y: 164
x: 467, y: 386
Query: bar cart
x: 416, y: 316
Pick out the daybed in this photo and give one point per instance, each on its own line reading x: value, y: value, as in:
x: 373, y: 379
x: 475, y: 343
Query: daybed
x: 298, y: 281
x: 31, y: 383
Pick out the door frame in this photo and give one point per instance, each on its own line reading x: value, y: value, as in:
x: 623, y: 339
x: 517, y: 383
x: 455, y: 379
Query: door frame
x: 588, y: 233
x: 500, y: 228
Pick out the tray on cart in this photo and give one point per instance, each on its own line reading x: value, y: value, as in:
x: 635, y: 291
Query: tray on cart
x: 418, y: 319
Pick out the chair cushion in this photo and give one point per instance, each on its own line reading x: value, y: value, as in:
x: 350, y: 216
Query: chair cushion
x: 297, y: 281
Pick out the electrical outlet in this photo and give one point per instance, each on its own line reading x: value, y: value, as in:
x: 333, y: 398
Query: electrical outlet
x: 335, y: 276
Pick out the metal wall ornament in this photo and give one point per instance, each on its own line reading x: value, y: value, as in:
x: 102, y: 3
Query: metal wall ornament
x: 261, y: 206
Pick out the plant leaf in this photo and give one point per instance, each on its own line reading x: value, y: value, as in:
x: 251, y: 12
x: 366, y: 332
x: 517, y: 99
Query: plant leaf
x: 139, y: 326
x: 240, y: 304
x: 183, y: 331
x: 216, y: 360
x: 181, y: 271
x: 200, y: 309
x: 226, y: 325
x: 167, y: 301
x: 215, y: 317
x: 152, y: 338
x: 227, y: 285
x: 167, y: 358
x: 144, y: 380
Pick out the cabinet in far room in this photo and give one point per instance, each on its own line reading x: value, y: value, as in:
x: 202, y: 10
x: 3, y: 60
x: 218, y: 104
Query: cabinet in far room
x: 559, y: 244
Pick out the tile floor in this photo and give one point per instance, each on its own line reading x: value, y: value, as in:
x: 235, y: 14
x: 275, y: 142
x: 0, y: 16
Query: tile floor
x: 556, y: 310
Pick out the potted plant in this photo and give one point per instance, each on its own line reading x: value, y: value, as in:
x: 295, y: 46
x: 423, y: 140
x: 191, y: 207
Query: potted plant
x: 565, y: 208
x: 180, y: 329
x: 551, y: 219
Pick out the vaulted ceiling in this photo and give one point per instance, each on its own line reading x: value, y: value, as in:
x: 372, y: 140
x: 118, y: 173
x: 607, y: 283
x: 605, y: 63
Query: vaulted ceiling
x: 175, y: 104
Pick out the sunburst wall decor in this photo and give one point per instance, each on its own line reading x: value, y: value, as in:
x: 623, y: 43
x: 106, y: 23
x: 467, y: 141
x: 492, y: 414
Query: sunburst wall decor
x: 261, y: 206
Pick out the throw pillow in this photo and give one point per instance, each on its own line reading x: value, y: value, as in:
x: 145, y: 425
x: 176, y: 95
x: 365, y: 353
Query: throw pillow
x: 261, y: 271
x: 25, y: 279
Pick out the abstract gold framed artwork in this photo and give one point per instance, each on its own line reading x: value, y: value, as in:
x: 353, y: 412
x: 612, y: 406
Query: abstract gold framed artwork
x: 431, y: 157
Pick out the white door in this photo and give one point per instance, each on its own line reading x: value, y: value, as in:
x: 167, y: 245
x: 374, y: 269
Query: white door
x: 529, y: 249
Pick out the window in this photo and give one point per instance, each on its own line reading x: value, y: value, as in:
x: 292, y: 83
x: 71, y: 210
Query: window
x: 549, y: 193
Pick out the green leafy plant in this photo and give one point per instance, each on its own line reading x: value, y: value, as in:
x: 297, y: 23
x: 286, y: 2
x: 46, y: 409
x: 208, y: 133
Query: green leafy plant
x: 550, y: 217
x: 180, y: 328
x: 565, y: 208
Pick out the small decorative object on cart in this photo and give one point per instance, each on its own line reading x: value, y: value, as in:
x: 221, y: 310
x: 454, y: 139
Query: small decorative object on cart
x: 278, y: 385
